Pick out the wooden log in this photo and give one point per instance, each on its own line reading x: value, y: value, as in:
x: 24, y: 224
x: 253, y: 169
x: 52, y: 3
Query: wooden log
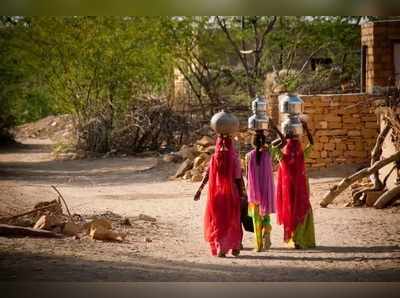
x: 5, y: 219
x: 346, y: 182
x: 16, y: 231
x: 377, y: 153
x: 387, y: 198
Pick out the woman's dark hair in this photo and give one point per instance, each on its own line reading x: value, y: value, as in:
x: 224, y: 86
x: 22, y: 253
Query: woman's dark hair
x: 258, y: 141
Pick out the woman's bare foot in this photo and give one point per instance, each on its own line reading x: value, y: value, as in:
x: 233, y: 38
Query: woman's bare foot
x: 266, y: 241
x: 235, y: 252
x: 221, y: 254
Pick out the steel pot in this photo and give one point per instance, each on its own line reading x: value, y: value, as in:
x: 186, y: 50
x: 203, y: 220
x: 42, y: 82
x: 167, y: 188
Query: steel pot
x: 259, y: 119
x: 292, y: 126
x: 258, y: 123
x: 259, y: 105
x: 290, y: 104
x: 224, y: 123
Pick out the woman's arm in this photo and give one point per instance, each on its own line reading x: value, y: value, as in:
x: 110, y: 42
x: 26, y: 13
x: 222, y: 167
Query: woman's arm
x: 309, y: 136
x: 203, y: 183
x: 281, y: 141
x: 240, y: 185
x: 275, y: 128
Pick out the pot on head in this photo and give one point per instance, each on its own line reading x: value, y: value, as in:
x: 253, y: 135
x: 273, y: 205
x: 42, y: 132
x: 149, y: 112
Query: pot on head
x: 292, y: 126
x: 224, y: 123
x: 259, y: 119
x: 290, y: 104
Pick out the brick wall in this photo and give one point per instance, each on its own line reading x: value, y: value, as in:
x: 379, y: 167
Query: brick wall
x: 378, y: 38
x: 344, y: 127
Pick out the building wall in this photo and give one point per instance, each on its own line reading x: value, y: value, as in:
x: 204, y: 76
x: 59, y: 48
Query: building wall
x: 344, y: 127
x: 379, y: 38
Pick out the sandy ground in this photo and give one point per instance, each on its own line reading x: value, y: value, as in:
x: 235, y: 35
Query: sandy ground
x: 354, y: 244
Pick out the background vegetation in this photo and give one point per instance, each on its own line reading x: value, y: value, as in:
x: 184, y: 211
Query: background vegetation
x: 113, y: 73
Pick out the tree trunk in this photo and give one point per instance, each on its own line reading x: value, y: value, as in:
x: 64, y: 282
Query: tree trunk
x: 388, y: 197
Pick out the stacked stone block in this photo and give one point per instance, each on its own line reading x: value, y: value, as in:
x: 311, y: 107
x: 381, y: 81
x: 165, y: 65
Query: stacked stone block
x: 344, y: 127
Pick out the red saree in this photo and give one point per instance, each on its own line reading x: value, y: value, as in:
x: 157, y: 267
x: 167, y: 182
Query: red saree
x: 293, y: 201
x: 222, y: 226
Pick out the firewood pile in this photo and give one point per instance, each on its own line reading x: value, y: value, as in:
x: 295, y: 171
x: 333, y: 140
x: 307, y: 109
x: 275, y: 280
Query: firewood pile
x: 368, y: 187
x: 48, y: 220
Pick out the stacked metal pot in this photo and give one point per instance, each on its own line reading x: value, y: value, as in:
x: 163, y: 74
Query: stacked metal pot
x: 291, y: 106
x: 259, y: 120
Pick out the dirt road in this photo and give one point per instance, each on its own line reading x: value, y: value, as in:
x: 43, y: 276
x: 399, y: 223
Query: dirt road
x: 354, y: 244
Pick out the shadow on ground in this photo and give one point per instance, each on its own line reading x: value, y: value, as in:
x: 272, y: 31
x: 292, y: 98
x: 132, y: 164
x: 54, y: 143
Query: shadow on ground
x: 33, y: 267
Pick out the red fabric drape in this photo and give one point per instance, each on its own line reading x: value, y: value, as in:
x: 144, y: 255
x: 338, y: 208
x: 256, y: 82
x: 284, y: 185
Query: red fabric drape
x: 222, y: 227
x: 292, y: 192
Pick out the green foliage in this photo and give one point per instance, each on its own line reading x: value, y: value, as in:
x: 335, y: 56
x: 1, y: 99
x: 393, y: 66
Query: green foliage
x: 295, y: 40
x: 100, y: 67
x: 92, y: 67
x: 80, y: 64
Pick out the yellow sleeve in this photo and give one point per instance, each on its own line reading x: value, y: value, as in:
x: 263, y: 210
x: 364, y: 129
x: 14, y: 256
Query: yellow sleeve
x: 275, y: 152
x: 307, y: 151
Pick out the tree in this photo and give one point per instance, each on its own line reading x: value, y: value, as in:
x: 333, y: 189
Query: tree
x: 247, y: 35
x: 93, y: 67
x: 201, y: 55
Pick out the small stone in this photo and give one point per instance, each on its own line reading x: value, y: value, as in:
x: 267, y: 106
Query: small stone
x: 126, y: 222
x: 187, y: 152
x: 172, y: 157
x: 186, y: 165
x: 197, y: 178
x: 147, y: 218
x: 205, y: 141
x: 48, y: 222
x: 148, y: 240
x: 188, y: 175
x: 71, y: 229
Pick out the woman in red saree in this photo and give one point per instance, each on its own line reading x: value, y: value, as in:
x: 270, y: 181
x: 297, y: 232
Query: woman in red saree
x: 222, y: 225
x: 293, y: 197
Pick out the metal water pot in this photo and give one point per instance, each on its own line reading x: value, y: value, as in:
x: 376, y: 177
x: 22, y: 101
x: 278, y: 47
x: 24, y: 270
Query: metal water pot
x: 224, y: 123
x: 259, y: 105
x: 291, y: 125
x: 259, y: 121
x: 290, y: 104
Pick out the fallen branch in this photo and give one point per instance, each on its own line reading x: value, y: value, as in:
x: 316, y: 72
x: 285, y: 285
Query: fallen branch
x: 65, y: 203
x: 377, y: 153
x: 17, y: 231
x: 346, y: 182
x: 388, y: 197
x: 5, y: 219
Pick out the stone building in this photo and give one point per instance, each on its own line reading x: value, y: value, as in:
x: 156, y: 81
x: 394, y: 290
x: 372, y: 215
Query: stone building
x: 380, y: 44
x: 345, y: 126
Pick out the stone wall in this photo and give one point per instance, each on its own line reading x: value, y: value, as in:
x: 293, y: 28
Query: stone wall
x: 344, y: 127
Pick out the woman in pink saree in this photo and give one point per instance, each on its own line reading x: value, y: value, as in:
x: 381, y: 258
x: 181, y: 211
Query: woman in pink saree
x: 222, y: 225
